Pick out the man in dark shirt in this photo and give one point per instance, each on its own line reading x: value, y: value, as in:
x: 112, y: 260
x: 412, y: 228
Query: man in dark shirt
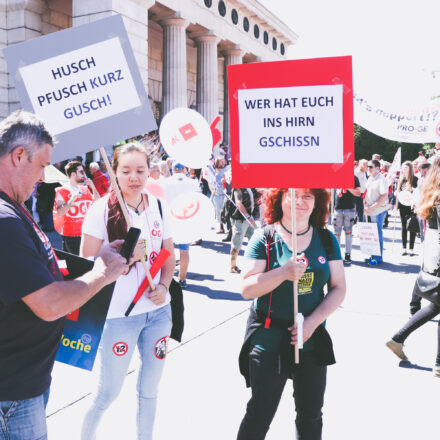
x: 33, y: 296
x: 345, y: 215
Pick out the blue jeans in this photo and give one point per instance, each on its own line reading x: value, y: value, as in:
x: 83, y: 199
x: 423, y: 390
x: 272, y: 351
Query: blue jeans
x: 378, y: 219
x: 24, y: 419
x: 121, y: 335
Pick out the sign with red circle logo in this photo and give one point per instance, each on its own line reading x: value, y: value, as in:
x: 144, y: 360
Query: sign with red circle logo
x: 304, y: 260
x: 437, y: 129
x: 120, y: 348
x: 152, y: 257
x: 160, y: 349
x: 322, y: 259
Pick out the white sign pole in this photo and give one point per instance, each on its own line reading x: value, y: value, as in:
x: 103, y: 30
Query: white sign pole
x: 123, y: 207
x: 294, y: 252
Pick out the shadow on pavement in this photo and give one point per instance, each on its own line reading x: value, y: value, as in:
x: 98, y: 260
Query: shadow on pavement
x: 396, y: 268
x: 202, y: 277
x: 214, y: 294
x: 411, y: 366
x: 223, y: 248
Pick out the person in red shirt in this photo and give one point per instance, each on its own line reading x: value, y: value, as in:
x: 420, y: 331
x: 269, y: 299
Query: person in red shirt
x: 71, y: 204
x: 99, y: 179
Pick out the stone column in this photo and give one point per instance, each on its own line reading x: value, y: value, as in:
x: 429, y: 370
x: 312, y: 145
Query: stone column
x: 232, y: 56
x: 207, y: 76
x: 135, y: 16
x: 174, y: 75
x: 21, y: 20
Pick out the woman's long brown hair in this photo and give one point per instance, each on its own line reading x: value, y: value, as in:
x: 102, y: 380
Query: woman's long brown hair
x: 403, y: 178
x: 430, y: 191
x: 116, y: 223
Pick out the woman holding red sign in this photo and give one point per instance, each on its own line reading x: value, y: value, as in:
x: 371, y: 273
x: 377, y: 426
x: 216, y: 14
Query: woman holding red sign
x: 149, y: 324
x: 267, y: 356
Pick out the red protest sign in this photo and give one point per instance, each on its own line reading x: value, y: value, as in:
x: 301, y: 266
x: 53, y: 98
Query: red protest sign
x: 291, y: 124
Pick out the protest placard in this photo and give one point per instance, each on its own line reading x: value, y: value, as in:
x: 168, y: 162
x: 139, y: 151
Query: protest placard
x: 369, y: 238
x: 83, y: 329
x: 84, y: 83
x: 292, y: 123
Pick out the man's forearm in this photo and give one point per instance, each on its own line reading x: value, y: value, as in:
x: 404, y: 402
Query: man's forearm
x: 63, y: 297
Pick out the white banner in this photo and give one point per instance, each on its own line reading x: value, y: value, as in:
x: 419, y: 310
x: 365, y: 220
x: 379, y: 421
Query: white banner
x: 418, y: 126
x: 369, y: 238
x: 291, y: 124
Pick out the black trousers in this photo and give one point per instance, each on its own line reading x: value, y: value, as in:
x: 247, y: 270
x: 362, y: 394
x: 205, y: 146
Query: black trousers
x: 405, y: 213
x: 71, y: 244
x: 309, y: 381
x: 418, y: 319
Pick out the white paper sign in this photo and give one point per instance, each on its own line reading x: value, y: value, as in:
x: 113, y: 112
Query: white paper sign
x: 81, y: 86
x: 291, y: 124
x: 369, y: 238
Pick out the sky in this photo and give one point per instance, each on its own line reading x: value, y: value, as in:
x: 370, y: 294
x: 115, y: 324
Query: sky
x: 395, y: 44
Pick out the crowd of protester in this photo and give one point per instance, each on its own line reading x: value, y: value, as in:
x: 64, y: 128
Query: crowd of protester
x: 86, y: 212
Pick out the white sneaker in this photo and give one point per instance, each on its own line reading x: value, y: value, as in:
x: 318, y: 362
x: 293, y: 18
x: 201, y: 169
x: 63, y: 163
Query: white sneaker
x: 397, y: 349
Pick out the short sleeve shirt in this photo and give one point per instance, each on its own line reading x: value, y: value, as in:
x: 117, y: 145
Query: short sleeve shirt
x: 28, y: 345
x: 376, y: 187
x: 310, y: 286
x: 346, y: 199
x: 154, y: 229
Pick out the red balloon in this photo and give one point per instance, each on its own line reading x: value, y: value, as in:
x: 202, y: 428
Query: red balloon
x: 155, y: 189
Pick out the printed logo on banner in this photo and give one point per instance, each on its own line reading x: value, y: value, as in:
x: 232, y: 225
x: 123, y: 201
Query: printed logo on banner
x: 153, y: 257
x: 321, y: 259
x: 86, y: 338
x: 187, y: 211
x: 437, y: 129
x: 156, y: 233
x: 160, y: 349
x: 120, y: 348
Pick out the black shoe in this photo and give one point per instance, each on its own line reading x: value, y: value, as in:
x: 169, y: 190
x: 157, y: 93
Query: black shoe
x: 197, y: 243
x: 347, y: 259
x: 227, y: 238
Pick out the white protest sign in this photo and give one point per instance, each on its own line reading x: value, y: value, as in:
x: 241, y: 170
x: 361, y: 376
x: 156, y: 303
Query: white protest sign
x: 291, y: 124
x: 84, y: 83
x: 369, y: 238
x: 81, y: 86
x: 186, y: 136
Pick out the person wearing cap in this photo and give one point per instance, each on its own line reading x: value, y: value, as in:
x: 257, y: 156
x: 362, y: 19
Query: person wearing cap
x: 175, y: 186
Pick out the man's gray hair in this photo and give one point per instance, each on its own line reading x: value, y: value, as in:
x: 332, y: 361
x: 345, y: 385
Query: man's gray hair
x: 94, y: 165
x: 23, y: 129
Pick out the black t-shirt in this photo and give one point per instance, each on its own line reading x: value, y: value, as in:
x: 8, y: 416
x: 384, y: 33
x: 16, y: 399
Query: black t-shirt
x: 28, y: 345
x: 346, y: 199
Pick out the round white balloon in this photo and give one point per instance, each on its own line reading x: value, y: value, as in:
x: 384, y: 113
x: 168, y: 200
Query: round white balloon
x: 405, y: 198
x: 192, y: 214
x: 186, y: 136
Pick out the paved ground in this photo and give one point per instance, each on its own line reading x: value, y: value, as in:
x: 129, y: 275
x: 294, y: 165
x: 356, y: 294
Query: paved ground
x: 370, y: 395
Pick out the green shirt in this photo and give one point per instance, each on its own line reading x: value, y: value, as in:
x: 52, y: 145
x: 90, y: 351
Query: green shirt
x: 310, y: 286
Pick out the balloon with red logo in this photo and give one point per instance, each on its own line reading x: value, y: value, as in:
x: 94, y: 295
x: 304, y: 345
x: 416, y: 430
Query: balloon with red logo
x: 192, y: 214
x: 155, y: 189
x: 186, y: 136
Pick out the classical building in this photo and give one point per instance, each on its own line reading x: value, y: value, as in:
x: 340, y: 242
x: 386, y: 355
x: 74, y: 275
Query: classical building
x: 182, y: 47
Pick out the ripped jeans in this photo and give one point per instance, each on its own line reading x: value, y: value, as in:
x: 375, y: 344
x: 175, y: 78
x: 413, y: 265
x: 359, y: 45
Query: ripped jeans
x: 344, y: 218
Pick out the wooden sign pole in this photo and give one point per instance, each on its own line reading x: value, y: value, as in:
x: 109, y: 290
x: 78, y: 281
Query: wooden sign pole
x: 115, y: 185
x: 294, y: 252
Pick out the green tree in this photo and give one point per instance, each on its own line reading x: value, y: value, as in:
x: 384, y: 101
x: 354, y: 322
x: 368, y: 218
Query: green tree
x: 366, y: 144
